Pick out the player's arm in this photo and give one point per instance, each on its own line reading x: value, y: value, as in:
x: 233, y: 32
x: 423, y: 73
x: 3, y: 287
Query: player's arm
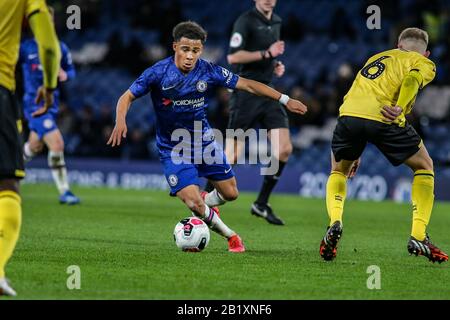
x: 120, y: 129
x: 261, y: 89
x: 49, y: 55
x: 67, y: 70
x: 408, y: 91
x: 140, y: 87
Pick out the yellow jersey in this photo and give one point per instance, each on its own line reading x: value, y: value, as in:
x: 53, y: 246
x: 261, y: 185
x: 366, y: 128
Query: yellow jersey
x: 11, y: 17
x: 378, y: 84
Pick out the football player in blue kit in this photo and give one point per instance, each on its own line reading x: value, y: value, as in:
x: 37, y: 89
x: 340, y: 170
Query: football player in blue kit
x: 43, y: 129
x: 179, y: 87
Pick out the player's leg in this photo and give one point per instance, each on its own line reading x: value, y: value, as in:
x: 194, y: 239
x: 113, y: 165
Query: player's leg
x: 347, y: 145
x: 233, y: 150
x: 422, y: 191
x: 33, y: 146
x: 227, y: 190
x: 422, y: 199
x: 281, y: 147
x: 336, y: 192
x: 57, y: 165
x: 223, y: 191
x: 221, y: 176
x: 244, y: 112
x: 336, y: 189
x: 404, y: 145
x: 11, y: 170
x: 183, y: 180
x: 191, y: 197
x: 10, y: 221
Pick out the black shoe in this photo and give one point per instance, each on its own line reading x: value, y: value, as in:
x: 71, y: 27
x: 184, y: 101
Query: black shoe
x: 328, y: 245
x: 266, y: 212
x: 427, y: 249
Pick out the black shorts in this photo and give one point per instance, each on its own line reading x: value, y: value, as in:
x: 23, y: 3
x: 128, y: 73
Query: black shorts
x: 11, y: 156
x: 247, y: 110
x: 352, y: 134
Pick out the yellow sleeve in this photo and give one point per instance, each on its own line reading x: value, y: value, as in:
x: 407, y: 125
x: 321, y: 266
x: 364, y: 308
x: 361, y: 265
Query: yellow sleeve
x: 427, y: 70
x: 33, y: 6
x: 49, y: 49
x: 410, y: 87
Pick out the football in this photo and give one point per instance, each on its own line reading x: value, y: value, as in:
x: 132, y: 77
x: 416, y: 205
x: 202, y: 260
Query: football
x: 191, y: 234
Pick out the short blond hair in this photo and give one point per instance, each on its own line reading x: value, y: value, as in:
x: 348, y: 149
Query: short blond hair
x: 414, y: 34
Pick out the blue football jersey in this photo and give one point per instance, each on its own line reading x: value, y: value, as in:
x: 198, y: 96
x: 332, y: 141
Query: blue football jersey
x: 180, y: 100
x: 32, y: 71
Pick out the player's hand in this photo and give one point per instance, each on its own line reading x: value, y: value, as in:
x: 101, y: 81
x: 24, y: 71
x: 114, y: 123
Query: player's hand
x: 391, y: 113
x: 62, y: 75
x: 296, y: 106
x: 43, y: 95
x: 279, y: 69
x: 119, y: 132
x: 277, y: 48
x: 354, y: 168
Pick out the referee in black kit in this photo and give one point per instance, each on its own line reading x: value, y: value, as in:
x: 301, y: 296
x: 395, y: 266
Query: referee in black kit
x: 254, y: 46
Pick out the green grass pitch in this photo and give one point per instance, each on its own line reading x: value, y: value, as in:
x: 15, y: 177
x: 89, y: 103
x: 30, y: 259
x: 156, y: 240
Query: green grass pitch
x: 122, y: 241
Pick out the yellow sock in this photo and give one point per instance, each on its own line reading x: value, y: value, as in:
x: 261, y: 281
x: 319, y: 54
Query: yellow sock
x: 336, y: 193
x: 10, y: 220
x: 422, y: 200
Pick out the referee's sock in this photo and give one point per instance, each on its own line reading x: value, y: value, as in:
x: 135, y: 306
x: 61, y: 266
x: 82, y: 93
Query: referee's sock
x: 422, y: 200
x: 268, y: 184
x: 10, y: 220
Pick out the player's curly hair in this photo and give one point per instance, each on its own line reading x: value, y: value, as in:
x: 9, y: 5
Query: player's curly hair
x: 190, y: 30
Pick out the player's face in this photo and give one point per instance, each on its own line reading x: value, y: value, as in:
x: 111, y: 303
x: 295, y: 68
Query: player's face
x: 187, y: 52
x: 265, y: 5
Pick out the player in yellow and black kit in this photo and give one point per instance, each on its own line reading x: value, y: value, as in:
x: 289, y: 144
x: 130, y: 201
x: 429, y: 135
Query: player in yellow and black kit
x: 374, y: 111
x: 11, y: 158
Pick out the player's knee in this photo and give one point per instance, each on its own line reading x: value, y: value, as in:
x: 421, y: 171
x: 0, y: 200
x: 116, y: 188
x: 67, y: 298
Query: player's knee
x: 231, y: 194
x: 36, y: 147
x: 10, y: 185
x: 58, y: 147
x: 55, y: 159
x: 427, y: 163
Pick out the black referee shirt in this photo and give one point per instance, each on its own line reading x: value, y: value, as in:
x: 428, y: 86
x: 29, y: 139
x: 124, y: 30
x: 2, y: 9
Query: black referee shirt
x: 253, y: 32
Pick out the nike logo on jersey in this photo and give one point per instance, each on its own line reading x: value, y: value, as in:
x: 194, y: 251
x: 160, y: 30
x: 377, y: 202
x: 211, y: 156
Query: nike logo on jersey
x: 32, y: 56
x: 168, y: 88
x: 227, y: 170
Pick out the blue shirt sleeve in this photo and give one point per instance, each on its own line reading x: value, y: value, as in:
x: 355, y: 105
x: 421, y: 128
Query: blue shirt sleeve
x: 66, y: 62
x: 223, y: 77
x: 141, y: 86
